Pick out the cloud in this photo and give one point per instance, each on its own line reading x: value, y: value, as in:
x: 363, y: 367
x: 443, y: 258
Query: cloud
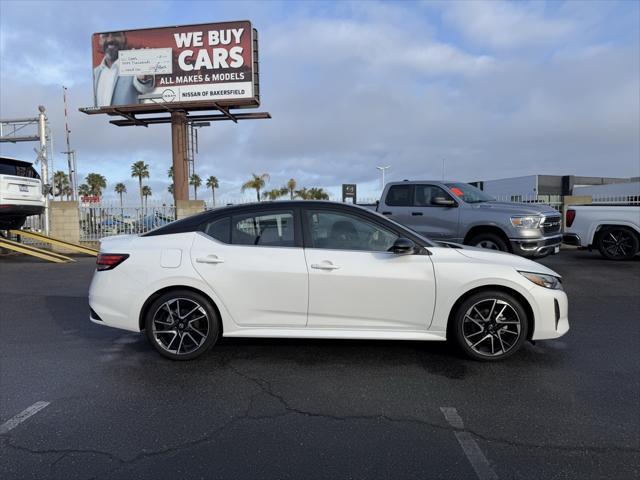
x: 501, y: 24
x: 361, y: 85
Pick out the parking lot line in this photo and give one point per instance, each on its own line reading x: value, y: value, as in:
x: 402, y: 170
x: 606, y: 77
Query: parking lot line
x: 16, y: 420
x: 469, y: 446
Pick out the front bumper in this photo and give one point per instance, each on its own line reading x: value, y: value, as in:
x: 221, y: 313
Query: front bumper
x: 536, y: 247
x: 552, y: 313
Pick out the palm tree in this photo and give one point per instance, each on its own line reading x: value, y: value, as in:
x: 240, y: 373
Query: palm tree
x: 140, y: 170
x: 83, y: 190
x: 291, y: 186
x: 96, y: 183
x: 120, y: 188
x: 170, y: 189
x: 302, y: 194
x: 257, y: 183
x: 275, y: 194
x: 60, y: 179
x: 196, y: 181
x: 67, y: 191
x: 212, y: 183
x: 146, y: 192
x: 318, y: 194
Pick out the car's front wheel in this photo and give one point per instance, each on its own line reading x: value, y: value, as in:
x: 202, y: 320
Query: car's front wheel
x: 182, y: 325
x: 490, y: 325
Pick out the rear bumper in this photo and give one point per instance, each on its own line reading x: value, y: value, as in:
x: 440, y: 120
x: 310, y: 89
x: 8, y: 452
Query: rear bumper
x: 10, y: 210
x: 572, y: 239
x: 535, y: 247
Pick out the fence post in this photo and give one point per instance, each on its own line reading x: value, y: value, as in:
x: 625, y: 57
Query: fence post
x: 65, y: 223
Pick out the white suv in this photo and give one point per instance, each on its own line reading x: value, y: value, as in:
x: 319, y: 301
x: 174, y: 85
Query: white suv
x: 21, y: 192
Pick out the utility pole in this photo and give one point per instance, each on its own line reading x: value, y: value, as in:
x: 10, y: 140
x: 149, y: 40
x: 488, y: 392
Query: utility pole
x: 71, y: 154
x: 382, y: 169
x: 44, y: 166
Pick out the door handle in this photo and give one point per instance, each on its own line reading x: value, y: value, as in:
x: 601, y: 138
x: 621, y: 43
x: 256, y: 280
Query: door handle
x: 324, y: 266
x: 416, y: 214
x: 386, y: 213
x: 209, y: 259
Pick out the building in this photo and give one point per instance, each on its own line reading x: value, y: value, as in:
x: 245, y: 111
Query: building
x: 554, y: 187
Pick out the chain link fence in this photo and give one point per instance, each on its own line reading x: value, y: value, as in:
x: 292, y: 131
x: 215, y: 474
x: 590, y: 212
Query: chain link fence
x: 99, y: 221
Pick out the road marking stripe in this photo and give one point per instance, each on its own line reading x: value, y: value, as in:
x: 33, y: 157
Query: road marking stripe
x: 21, y: 417
x: 469, y: 446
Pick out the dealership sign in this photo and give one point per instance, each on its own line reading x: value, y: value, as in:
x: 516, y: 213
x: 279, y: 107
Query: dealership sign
x: 214, y: 62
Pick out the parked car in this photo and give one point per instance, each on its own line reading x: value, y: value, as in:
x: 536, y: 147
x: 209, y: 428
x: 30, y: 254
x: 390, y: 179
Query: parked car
x: 613, y: 229
x: 21, y: 192
x: 314, y: 269
x: 459, y: 212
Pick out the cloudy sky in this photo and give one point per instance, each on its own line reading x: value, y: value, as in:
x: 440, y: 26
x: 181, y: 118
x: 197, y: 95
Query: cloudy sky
x: 494, y: 89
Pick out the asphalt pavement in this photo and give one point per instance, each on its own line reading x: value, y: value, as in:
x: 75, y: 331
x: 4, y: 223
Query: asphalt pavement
x: 82, y: 401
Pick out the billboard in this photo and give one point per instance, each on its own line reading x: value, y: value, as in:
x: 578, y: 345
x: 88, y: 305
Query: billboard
x: 212, y: 62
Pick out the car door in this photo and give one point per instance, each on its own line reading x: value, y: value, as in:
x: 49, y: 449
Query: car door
x: 356, y: 283
x: 430, y: 219
x: 255, y: 263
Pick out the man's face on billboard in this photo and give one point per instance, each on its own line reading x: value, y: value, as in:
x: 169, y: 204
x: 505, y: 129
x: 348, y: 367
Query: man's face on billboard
x: 111, y: 44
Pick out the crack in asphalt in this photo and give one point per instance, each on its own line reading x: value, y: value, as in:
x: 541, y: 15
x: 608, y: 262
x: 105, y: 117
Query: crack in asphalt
x: 265, y: 387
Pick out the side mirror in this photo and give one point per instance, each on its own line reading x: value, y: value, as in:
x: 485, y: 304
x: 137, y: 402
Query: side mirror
x: 403, y: 246
x: 444, y: 202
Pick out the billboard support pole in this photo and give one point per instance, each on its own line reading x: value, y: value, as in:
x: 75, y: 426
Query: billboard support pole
x: 179, y: 150
x: 44, y: 164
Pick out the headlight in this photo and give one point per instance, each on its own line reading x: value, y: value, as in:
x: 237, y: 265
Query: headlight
x: 546, y: 281
x: 526, y: 222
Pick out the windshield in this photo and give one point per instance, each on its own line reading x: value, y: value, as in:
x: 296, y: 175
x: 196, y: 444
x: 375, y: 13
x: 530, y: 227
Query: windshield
x: 468, y: 193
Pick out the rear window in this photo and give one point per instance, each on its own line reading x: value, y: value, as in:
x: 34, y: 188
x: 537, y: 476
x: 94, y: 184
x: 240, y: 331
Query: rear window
x: 400, y: 196
x: 19, y: 169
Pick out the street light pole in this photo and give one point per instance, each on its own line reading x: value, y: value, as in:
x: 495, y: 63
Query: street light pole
x: 382, y: 169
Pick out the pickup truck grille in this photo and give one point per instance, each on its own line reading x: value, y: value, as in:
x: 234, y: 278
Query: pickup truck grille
x: 551, y: 225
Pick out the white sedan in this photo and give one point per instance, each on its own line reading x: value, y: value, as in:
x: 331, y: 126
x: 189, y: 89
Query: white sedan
x: 312, y: 269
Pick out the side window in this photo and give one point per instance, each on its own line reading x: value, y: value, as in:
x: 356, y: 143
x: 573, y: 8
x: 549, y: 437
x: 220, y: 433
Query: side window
x: 271, y: 229
x: 426, y: 194
x: 220, y: 229
x: 400, y: 196
x: 341, y: 231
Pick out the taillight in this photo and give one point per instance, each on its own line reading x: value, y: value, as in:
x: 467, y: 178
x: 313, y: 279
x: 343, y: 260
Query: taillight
x: 109, y: 261
x: 571, y: 216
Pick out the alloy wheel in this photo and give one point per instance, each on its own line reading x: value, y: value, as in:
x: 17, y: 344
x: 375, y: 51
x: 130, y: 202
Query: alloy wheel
x: 491, y: 327
x: 180, y: 326
x: 618, y: 243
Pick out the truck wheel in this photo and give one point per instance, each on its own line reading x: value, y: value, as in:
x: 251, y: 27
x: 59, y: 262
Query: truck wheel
x: 490, y: 241
x: 618, y: 243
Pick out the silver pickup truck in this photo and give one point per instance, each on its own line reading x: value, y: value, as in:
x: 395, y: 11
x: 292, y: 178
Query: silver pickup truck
x: 458, y: 212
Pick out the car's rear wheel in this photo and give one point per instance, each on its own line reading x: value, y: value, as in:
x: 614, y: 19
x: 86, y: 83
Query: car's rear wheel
x: 182, y: 325
x: 490, y: 241
x: 490, y: 326
x: 618, y: 243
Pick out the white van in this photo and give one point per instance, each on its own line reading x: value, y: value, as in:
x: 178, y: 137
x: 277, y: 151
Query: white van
x: 21, y: 193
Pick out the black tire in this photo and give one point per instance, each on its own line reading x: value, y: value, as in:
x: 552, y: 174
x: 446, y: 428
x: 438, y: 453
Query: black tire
x: 467, y: 328
x: 161, y: 317
x: 490, y: 241
x: 618, y: 243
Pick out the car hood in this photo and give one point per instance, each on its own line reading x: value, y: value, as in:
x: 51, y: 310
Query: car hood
x: 483, y: 255
x: 517, y: 208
